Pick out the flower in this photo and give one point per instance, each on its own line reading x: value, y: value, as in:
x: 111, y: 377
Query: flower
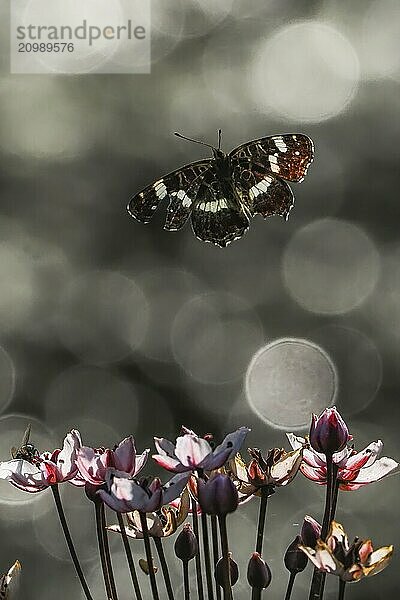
x: 191, y: 452
x: 46, y: 469
x: 295, y: 560
x: 218, y: 495
x: 349, y: 562
x: 328, y: 432
x: 220, y: 570
x: 186, y: 545
x: 93, y: 463
x: 258, y: 572
x: 276, y: 469
x: 159, y: 525
x: 310, y: 531
x: 9, y: 581
x: 355, y: 469
x: 126, y: 495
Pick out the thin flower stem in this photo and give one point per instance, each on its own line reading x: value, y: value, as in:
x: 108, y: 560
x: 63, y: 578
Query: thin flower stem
x: 68, y: 539
x: 318, y: 579
x: 107, y: 552
x: 129, y: 557
x: 290, y: 586
x: 100, y: 542
x: 265, y: 491
x: 186, y: 585
x: 200, y: 591
x: 214, y: 531
x: 149, y: 557
x: 225, y: 555
x: 164, y: 567
x: 334, y: 499
x: 342, y: 588
x: 207, y: 556
x: 256, y: 593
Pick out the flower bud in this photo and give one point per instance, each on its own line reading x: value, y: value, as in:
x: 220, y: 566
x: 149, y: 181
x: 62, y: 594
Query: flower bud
x: 186, y: 545
x: 220, y: 571
x: 218, y: 495
x: 328, y: 432
x: 295, y: 560
x: 310, y: 532
x: 258, y: 572
x: 91, y: 492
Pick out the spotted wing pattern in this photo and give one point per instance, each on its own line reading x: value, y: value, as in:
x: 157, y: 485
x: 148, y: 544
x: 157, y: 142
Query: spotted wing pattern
x: 218, y: 216
x: 261, y: 193
x: 179, y: 188
x: 287, y: 156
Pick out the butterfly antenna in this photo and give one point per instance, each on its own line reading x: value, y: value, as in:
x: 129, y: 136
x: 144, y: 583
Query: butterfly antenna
x: 219, y: 138
x: 179, y: 135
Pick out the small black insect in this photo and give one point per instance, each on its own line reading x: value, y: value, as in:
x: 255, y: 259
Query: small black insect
x: 222, y: 193
x: 26, y: 451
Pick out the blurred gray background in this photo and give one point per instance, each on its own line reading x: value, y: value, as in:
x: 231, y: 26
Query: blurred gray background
x: 115, y: 327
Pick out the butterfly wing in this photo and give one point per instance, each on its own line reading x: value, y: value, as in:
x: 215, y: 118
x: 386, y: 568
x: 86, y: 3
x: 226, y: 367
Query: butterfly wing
x: 179, y: 188
x: 260, y: 192
x: 287, y: 156
x: 218, y: 215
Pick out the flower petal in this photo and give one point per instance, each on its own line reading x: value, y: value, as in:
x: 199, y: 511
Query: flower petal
x: 164, y: 447
x: 375, y: 472
x: 23, y: 475
x: 378, y: 560
x: 66, y: 459
x: 318, y: 475
x: 125, y: 456
x: 365, y: 458
x: 322, y: 558
x: 191, y: 450
x: 286, y: 468
x: 174, y: 487
x: 170, y: 464
x: 227, y: 449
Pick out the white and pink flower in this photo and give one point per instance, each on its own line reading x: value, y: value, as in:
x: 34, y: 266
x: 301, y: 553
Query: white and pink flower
x: 94, y: 463
x: 191, y: 452
x: 125, y: 495
x: 46, y: 469
x: 355, y: 469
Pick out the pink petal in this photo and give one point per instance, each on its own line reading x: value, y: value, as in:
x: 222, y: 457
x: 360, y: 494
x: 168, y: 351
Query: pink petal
x: 125, y: 456
x: 66, y: 459
x: 191, y: 450
x: 23, y: 475
x: 164, y: 447
x: 365, y: 458
x: 171, y: 464
x: 92, y: 465
x: 141, y: 460
x: 296, y: 441
x: 318, y: 475
x: 365, y: 551
x: 377, y: 471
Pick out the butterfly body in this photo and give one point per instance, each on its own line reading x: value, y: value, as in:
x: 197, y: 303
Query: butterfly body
x: 221, y: 194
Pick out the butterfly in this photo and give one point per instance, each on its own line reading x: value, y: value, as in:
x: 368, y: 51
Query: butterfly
x: 221, y: 194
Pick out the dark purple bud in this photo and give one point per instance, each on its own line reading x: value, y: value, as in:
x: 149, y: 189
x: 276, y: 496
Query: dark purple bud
x: 186, y: 545
x: 91, y: 492
x: 220, y: 571
x: 328, y: 432
x: 258, y: 572
x: 295, y: 560
x: 310, y: 532
x: 218, y: 495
